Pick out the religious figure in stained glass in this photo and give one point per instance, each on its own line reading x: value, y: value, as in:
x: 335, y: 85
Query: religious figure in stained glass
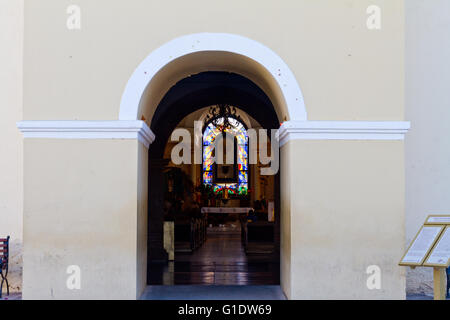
x: 224, y: 177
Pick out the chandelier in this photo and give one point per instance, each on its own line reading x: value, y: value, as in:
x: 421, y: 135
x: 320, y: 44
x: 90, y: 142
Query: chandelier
x: 219, y: 115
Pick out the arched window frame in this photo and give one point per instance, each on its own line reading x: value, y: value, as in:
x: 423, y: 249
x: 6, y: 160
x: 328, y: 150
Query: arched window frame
x: 210, y: 132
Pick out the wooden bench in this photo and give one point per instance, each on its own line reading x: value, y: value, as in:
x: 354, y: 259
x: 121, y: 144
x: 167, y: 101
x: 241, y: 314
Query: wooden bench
x: 258, y: 237
x: 189, y: 234
x: 4, y: 258
x: 183, y: 236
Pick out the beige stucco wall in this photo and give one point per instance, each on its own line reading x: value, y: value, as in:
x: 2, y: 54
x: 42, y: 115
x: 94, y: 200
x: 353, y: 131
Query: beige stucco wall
x: 346, y: 71
x: 347, y: 215
x: 81, y: 208
x: 286, y: 199
x: 142, y: 219
x: 428, y: 107
x: 11, y: 42
x: 85, y: 197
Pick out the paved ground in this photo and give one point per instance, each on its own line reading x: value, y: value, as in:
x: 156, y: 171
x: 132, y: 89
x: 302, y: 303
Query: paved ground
x: 213, y: 293
x: 12, y: 296
x: 420, y: 297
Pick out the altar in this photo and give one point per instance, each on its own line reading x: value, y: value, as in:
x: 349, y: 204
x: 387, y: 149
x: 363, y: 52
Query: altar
x: 221, y: 215
x: 226, y: 210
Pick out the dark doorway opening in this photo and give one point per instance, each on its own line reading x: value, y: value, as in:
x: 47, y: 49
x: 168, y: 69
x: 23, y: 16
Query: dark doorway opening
x: 220, y: 256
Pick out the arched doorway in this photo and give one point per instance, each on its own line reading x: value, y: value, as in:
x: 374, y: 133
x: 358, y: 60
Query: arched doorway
x: 186, y: 97
x: 193, y: 54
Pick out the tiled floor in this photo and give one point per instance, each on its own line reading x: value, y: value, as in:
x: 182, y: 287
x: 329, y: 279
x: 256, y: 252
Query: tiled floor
x: 220, y: 261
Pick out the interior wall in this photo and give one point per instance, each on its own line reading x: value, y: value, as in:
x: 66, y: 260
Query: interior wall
x: 11, y: 142
x: 427, y: 107
x: 257, y: 192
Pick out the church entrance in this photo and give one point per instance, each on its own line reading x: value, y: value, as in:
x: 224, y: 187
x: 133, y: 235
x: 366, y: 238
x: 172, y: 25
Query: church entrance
x: 214, y: 220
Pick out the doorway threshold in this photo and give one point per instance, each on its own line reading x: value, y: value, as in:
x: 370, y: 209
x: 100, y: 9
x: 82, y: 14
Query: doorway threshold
x: 200, y: 292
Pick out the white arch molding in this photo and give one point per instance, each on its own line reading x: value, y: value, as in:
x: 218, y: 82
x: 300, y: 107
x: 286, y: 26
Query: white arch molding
x: 283, y: 82
x: 212, y: 42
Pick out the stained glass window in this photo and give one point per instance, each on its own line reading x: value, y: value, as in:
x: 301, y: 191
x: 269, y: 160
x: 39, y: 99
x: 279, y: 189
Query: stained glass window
x: 210, y: 133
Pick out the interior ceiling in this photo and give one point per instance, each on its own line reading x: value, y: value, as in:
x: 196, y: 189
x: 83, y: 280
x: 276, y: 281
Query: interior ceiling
x: 203, y: 90
x: 200, y: 115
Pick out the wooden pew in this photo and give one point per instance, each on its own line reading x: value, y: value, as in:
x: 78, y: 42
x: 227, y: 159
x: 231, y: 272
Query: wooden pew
x: 258, y: 237
x: 183, y: 236
x: 190, y: 234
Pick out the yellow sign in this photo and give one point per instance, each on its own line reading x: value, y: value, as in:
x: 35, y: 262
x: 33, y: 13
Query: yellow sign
x: 440, y: 254
x: 438, y: 220
x: 431, y: 248
x: 421, y: 246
